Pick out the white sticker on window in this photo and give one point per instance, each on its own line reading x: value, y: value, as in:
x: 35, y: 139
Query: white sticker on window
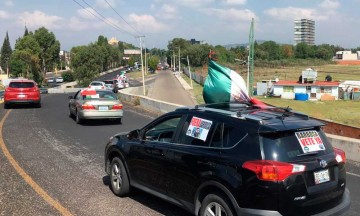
x: 310, y: 141
x: 199, y: 128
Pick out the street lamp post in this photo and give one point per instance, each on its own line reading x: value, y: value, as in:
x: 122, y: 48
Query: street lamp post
x: 142, y: 63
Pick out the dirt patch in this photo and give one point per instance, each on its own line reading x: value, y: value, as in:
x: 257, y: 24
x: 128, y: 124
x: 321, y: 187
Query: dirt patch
x: 348, y: 62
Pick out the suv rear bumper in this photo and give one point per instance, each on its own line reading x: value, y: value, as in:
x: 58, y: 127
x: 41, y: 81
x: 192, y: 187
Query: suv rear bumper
x: 340, y: 209
x: 28, y: 101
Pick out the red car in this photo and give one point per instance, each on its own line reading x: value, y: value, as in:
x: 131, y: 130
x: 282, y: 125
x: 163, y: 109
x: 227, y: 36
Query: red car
x: 22, y: 91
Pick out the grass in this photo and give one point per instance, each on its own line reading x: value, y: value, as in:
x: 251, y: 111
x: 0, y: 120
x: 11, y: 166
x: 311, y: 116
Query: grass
x: 136, y: 74
x: 197, y: 90
x: 337, y: 72
x: 343, y: 112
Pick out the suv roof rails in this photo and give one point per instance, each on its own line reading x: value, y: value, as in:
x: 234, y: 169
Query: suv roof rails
x: 245, y: 111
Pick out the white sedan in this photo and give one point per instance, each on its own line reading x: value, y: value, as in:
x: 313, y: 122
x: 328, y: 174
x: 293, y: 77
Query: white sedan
x: 59, y: 79
x: 97, y: 85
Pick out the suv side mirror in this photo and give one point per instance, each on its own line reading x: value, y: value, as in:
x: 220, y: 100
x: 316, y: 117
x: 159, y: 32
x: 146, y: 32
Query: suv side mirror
x: 133, y: 134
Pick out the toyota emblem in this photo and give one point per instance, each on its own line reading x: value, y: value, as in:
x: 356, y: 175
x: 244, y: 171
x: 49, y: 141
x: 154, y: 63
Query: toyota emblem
x: 323, y: 163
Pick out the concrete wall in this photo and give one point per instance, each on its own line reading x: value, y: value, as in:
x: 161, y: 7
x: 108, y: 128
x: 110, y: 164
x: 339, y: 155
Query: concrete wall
x: 349, y: 145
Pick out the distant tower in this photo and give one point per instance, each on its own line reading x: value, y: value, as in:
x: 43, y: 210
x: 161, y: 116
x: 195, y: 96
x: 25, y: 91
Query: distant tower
x: 304, y: 31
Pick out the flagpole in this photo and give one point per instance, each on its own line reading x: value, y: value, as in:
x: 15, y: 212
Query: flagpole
x: 251, y: 59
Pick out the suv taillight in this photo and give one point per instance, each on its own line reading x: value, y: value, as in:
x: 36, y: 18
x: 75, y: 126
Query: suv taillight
x: 273, y: 170
x: 340, y: 155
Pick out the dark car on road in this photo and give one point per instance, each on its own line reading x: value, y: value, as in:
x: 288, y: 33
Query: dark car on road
x: 232, y: 159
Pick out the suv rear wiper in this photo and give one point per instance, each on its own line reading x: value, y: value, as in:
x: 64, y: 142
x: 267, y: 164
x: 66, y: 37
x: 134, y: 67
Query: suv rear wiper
x: 308, y: 153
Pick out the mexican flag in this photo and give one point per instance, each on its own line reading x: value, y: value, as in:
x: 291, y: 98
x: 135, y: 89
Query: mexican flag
x: 224, y: 85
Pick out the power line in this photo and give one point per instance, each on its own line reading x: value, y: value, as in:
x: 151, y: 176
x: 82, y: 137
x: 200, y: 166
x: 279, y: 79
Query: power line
x: 101, y: 17
x: 122, y: 17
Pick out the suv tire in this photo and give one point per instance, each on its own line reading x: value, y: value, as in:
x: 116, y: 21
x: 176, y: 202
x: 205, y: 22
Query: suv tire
x: 119, y: 181
x: 212, y: 203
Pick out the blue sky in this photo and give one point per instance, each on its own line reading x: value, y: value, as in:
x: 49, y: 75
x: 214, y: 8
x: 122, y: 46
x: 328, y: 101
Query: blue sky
x: 218, y: 22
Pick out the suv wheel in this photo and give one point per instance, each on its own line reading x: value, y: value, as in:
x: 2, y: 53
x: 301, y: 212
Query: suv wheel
x: 6, y: 106
x: 119, y: 181
x: 215, y: 205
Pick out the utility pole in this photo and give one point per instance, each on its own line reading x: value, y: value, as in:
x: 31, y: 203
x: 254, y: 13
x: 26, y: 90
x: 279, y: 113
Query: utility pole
x: 145, y: 60
x: 142, y: 63
x: 191, y: 84
x: 174, y: 59
x: 179, y: 61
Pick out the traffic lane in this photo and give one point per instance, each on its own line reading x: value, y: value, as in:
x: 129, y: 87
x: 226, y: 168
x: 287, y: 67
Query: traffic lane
x: 132, y: 82
x: 66, y: 160
x: 93, y: 134
x: 352, y: 179
x: 16, y: 197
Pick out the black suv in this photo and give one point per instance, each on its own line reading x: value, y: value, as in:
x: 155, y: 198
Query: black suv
x: 232, y: 159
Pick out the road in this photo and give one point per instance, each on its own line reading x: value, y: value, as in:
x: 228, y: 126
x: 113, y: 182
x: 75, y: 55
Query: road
x: 167, y: 88
x: 52, y: 161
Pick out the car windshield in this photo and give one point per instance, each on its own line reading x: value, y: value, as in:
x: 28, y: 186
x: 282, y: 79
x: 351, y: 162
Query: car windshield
x: 101, y: 95
x: 96, y: 84
x: 293, y: 145
x: 108, y: 82
x: 21, y: 85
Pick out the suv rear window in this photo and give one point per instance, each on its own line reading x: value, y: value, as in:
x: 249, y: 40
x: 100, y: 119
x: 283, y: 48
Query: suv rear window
x: 108, y: 82
x: 21, y: 84
x: 287, y: 147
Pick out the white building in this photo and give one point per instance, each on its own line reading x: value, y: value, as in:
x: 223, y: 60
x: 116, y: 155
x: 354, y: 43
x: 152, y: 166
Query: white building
x: 315, y: 90
x: 304, y: 31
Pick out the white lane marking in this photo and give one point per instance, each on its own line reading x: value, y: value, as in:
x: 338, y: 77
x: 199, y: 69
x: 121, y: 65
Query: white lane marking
x: 353, y: 174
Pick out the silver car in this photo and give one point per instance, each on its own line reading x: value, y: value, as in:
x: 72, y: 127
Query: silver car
x: 95, y: 104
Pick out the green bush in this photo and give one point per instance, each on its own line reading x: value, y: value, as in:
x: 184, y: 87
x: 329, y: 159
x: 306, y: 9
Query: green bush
x: 68, y: 76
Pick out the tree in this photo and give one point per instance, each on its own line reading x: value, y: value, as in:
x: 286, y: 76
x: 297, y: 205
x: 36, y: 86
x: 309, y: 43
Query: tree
x: 50, y: 48
x: 177, y: 43
x: 86, y: 63
x: 286, y: 51
x: 25, y: 59
x: 153, y: 61
x: 302, y: 51
x: 5, y: 53
x: 324, y: 51
x: 26, y: 31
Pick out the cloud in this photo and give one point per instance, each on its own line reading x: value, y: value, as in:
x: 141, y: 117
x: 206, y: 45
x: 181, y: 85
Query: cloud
x: 235, y: 2
x: 4, y: 15
x: 104, y: 3
x: 38, y: 19
x: 167, y: 12
x: 87, y: 13
x: 146, y: 23
x: 329, y: 5
x: 194, y: 3
x: 9, y: 3
x: 290, y: 13
x: 231, y: 15
x: 76, y: 24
